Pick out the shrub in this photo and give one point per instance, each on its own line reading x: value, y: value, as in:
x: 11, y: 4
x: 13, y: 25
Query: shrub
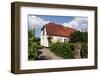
x: 33, y: 46
x: 84, y: 50
x: 64, y: 50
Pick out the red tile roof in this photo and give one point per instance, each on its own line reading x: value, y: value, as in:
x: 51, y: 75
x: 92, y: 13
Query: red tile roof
x: 58, y: 30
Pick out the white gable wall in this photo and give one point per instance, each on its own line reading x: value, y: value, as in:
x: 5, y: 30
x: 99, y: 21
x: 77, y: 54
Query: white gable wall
x: 44, y: 38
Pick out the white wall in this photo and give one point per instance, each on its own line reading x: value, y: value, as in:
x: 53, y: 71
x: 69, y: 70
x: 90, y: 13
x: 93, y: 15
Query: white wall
x: 44, y: 38
x: 5, y: 50
x: 58, y: 38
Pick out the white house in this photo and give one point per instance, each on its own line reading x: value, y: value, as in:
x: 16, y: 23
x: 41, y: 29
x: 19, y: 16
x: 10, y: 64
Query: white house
x: 52, y: 32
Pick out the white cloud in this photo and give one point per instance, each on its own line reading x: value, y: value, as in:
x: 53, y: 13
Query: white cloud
x: 67, y: 25
x: 79, y: 23
x: 36, y: 22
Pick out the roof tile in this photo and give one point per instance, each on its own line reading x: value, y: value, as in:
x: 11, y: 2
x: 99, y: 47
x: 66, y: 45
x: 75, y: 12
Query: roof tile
x: 58, y: 30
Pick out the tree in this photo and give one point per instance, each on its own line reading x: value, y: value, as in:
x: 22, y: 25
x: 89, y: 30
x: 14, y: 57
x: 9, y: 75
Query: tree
x: 33, y: 45
x: 79, y: 37
x: 82, y: 38
x: 75, y: 36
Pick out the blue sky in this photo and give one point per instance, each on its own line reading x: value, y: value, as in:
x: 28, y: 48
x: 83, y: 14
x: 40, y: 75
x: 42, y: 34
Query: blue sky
x: 57, y: 19
x: 38, y: 21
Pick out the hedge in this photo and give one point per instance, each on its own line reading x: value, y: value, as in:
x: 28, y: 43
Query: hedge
x: 66, y: 50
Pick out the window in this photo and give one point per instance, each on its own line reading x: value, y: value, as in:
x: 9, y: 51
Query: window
x: 65, y: 40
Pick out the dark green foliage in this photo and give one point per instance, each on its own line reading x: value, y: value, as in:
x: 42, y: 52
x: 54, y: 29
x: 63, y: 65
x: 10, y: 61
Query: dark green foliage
x: 84, y: 50
x: 84, y: 37
x: 33, y: 45
x: 79, y: 37
x: 64, y: 50
x: 76, y: 36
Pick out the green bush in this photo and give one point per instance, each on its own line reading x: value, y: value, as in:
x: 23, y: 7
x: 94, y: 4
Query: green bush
x: 64, y: 50
x: 33, y: 45
x: 84, y: 50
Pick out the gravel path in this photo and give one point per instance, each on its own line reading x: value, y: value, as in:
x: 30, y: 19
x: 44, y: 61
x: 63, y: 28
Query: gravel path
x: 47, y: 53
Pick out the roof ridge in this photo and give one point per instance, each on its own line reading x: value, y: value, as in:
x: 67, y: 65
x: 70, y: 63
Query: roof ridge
x: 56, y: 24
